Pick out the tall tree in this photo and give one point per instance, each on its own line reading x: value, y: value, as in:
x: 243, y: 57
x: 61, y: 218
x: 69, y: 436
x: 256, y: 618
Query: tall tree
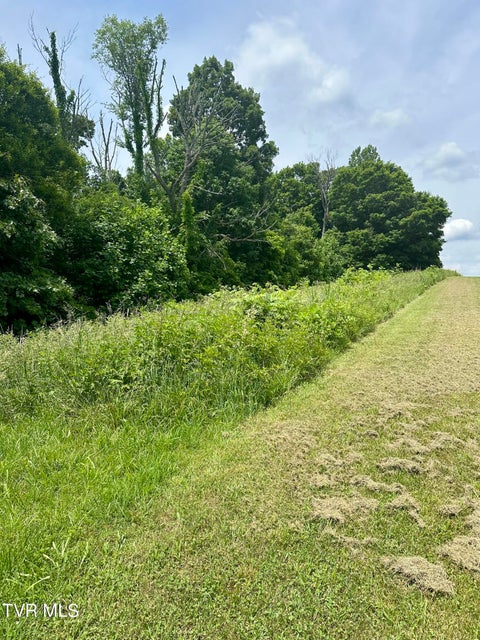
x: 197, y: 121
x: 228, y: 181
x: 379, y: 218
x: 76, y: 127
x: 325, y: 174
x: 129, y: 52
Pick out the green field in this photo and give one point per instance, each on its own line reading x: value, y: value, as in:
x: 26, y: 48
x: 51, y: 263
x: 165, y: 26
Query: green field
x: 135, y: 485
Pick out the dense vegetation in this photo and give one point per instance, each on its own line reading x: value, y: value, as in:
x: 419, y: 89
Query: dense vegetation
x: 201, y: 206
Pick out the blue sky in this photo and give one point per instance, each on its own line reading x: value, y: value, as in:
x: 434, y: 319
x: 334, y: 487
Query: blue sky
x: 332, y: 74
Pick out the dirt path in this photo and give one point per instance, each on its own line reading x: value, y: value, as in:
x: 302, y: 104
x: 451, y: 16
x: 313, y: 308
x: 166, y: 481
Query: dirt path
x: 350, y: 510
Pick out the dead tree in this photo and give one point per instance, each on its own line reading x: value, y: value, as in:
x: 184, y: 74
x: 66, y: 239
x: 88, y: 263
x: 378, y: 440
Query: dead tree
x: 326, y: 171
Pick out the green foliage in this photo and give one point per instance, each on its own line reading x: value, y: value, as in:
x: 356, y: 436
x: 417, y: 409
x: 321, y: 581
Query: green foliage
x: 30, y: 144
x: 30, y: 294
x: 122, y: 253
x: 297, y: 187
x: 380, y: 218
x: 233, y: 346
x: 95, y: 416
x: 201, y: 207
x: 296, y: 198
x: 296, y: 244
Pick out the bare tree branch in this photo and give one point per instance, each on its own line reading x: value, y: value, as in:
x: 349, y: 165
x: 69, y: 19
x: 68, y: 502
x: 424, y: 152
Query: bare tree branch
x: 326, y: 163
x: 199, y: 123
x: 104, y: 147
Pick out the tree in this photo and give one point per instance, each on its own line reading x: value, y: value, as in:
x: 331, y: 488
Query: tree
x: 210, y: 111
x: 76, y: 127
x: 297, y: 187
x: 104, y: 149
x: 218, y: 150
x: 197, y: 123
x: 30, y: 144
x: 129, y: 51
x: 379, y: 218
x: 325, y: 173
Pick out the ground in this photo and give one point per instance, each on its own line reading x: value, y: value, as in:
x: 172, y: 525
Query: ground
x: 349, y: 510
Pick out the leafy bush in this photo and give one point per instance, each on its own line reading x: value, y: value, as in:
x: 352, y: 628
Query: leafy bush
x: 30, y: 293
x: 122, y: 253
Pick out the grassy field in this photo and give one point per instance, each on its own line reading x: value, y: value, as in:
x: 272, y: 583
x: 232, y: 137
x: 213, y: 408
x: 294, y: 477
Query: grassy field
x: 133, y: 489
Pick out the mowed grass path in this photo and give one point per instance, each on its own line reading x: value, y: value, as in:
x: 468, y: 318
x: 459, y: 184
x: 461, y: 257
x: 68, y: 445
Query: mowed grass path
x: 350, y: 510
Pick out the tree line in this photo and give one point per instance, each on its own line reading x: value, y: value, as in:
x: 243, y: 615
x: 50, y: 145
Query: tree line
x: 201, y: 205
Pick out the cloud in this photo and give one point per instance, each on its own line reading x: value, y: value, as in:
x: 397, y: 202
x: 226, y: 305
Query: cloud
x: 276, y: 56
x: 389, y: 119
x: 459, y: 229
x: 450, y: 162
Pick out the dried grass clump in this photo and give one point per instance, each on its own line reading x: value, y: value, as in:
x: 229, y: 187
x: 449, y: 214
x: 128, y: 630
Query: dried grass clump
x: 330, y: 462
x: 406, y: 442
x: 350, y: 541
x: 442, y: 440
x: 373, y: 485
x: 323, y: 480
x: 473, y: 520
x: 422, y: 573
x: 453, y: 509
x: 463, y: 551
x: 400, y: 464
x: 338, y: 509
x: 406, y: 502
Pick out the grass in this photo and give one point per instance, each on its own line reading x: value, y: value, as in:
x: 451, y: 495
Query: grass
x: 131, y: 487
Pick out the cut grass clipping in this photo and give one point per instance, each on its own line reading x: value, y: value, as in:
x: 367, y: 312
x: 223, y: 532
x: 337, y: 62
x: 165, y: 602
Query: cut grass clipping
x: 95, y: 417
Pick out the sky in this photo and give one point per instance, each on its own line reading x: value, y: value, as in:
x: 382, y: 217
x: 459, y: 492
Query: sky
x: 332, y: 75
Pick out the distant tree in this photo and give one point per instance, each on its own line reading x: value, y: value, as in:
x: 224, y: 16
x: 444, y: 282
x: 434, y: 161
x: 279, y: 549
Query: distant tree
x: 104, y: 149
x: 129, y: 52
x: 326, y: 170
x: 300, y: 199
x: 379, y: 218
x: 297, y: 187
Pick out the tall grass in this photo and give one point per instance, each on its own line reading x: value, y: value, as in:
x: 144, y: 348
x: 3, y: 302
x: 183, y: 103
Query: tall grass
x: 95, y: 416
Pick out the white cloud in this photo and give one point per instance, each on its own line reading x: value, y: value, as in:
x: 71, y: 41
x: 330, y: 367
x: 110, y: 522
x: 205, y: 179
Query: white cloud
x: 334, y: 86
x: 450, y: 162
x: 275, y: 55
x: 389, y: 119
x: 459, y: 229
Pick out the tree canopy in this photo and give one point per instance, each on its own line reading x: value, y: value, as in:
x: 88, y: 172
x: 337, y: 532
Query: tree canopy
x: 380, y: 219
x: 129, y: 52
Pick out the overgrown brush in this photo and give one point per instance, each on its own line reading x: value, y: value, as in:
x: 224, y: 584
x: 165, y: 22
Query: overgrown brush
x: 258, y: 342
